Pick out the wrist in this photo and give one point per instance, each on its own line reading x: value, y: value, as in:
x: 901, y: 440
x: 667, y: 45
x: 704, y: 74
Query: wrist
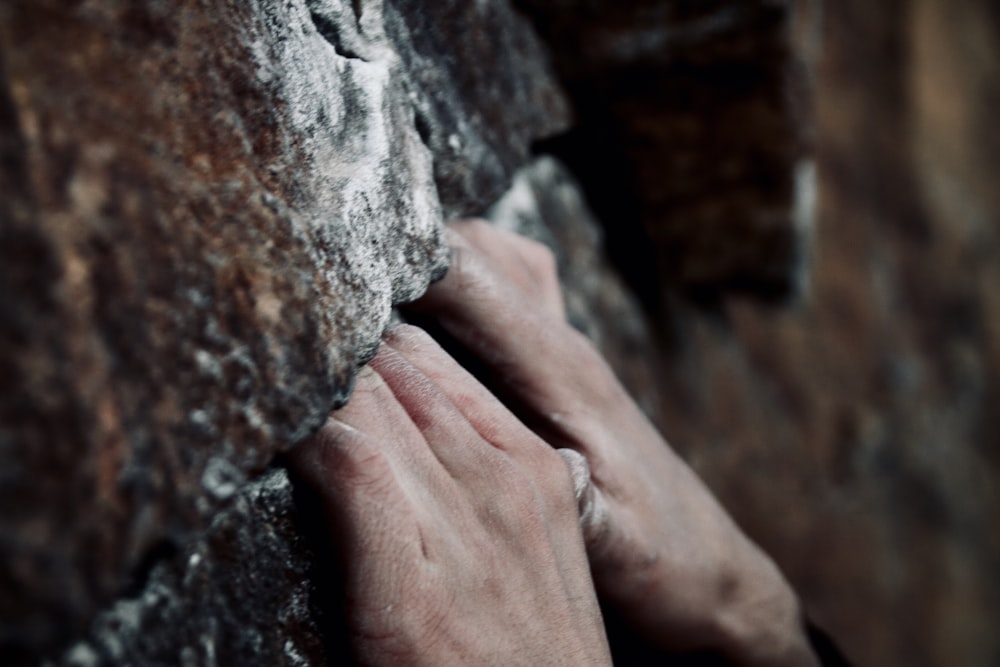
x: 764, y: 623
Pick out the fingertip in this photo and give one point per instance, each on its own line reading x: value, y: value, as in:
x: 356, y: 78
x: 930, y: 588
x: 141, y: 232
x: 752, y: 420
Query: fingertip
x: 388, y: 360
x: 308, y: 458
x: 419, y: 349
x: 341, y: 454
x: 407, y: 383
x: 465, y: 266
x: 463, y: 226
x: 367, y: 384
x: 462, y: 234
x: 365, y: 377
x: 447, y: 292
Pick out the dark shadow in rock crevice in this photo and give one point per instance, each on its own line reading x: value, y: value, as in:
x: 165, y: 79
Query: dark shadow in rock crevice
x: 327, y: 597
x: 597, y: 161
x: 331, y: 32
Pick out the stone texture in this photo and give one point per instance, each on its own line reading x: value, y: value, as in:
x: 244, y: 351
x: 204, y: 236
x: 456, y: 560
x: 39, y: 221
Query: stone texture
x: 481, y: 85
x: 855, y: 435
x: 240, y: 594
x: 207, y: 212
x: 700, y: 114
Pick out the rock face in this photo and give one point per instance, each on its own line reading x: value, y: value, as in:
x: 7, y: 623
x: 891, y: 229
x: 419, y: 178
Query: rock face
x: 480, y: 82
x: 239, y: 594
x: 208, y: 210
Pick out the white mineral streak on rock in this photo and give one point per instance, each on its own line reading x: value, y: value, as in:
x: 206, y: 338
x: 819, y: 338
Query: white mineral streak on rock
x: 293, y: 655
x: 804, y: 217
x: 371, y: 199
x: 208, y: 364
x: 221, y: 478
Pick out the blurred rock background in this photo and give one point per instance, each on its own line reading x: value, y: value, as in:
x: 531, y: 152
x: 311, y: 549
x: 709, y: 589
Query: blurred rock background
x: 778, y: 218
x: 854, y: 432
x: 830, y: 348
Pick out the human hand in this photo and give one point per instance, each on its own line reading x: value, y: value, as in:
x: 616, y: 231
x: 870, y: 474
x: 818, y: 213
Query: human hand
x: 661, y: 548
x: 458, y: 526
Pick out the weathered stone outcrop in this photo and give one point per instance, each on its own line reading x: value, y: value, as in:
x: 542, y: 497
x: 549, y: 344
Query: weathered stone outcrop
x: 208, y: 210
x: 241, y: 593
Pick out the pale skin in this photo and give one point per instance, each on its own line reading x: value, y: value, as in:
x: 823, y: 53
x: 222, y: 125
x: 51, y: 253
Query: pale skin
x: 469, y: 539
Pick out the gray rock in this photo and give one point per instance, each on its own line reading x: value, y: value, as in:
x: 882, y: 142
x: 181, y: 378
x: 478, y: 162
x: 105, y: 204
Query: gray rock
x: 484, y: 93
x: 241, y: 594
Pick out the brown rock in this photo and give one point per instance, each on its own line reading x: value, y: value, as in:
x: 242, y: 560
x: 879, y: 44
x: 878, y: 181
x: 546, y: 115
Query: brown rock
x: 207, y: 211
x: 855, y: 435
x: 694, y: 126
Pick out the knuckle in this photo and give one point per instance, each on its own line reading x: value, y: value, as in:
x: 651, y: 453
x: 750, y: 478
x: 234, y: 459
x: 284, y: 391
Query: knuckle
x: 551, y: 478
x: 467, y: 272
x: 544, y: 259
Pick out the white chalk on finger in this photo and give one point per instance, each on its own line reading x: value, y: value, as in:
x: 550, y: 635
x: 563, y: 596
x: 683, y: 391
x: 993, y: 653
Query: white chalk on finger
x: 591, y: 505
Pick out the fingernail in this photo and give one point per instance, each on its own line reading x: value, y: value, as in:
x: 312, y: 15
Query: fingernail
x: 366, y: 379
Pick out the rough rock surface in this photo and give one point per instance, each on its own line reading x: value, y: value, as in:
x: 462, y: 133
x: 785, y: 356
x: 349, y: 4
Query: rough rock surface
x: 240, y: 594
x: 481, y: 85
x: 207, y: 211
x: 249, y: 589
x: 700, y: 113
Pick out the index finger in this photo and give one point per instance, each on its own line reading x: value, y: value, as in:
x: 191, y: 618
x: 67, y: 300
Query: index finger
x: 541, y: 360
